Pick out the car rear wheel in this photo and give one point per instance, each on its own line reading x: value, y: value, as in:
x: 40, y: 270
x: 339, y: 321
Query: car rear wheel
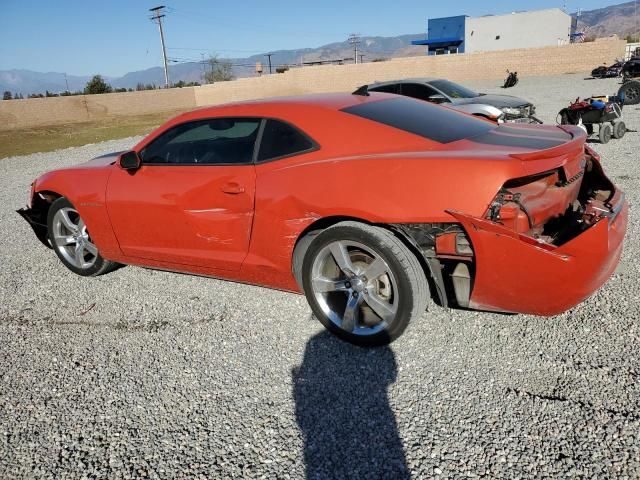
x: 631, y: 92
x: 363, y: 283
x: 72, y: 242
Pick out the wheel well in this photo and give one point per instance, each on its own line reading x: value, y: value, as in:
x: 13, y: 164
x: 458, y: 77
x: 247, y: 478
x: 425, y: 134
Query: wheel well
x: 42, y: 200
x: 305, y: 238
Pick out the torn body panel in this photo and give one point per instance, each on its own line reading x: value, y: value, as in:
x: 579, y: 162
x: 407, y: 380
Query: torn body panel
x: 515, y: 275
x: 38, y: 223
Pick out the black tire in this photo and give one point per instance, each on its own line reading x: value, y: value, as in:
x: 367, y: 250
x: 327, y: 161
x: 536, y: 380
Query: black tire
x: 589, y: 128
x: 299, y: 253
x: 631, y: 92
x: 412, y: 288
x: 619, y: 129
x: 99, y: 266
x: 605, y: 133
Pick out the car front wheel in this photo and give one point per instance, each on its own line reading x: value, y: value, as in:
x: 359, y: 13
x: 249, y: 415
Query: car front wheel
x: 363, y: 283
x: 72, y: 242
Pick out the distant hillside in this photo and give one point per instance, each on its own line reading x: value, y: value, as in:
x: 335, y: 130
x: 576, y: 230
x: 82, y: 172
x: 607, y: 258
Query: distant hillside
x: 26, y: 82
x: 618, y: 19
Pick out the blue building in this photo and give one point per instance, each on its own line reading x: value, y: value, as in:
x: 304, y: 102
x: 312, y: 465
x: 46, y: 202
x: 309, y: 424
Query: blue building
x: 444, y: 35
x: 464, y: 34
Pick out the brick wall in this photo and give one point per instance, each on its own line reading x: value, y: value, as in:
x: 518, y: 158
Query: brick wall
x: 327, y: 78
x: 33, y: 112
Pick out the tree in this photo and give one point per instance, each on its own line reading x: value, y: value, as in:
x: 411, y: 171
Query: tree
x: 219, y: 70
x: 7, y: 95
x: 97, y: 85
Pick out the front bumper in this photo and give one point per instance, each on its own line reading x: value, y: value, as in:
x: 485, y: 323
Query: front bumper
x: 38, y: 224
x: 512, y: 275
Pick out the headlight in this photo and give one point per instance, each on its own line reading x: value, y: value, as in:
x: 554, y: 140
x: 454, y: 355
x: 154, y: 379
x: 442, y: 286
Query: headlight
x: 511, y: 111
x: 31, y: 190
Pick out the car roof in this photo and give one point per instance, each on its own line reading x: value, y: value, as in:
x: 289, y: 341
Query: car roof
x: 405, y: 80
x: 330, y: 101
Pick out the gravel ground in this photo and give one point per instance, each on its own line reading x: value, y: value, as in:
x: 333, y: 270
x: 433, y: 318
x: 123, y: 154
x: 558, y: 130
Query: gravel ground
x: 150, y: 374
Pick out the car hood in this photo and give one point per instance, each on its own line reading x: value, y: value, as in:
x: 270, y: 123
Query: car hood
x: 499, y: 101
x: 102, y: 160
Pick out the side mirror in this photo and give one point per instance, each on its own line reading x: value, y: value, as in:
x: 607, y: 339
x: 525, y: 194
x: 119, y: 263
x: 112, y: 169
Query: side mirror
x: 437, y: 98
x: 130, y: 161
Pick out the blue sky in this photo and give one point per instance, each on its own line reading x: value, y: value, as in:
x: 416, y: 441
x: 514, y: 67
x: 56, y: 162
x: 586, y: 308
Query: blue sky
x: 115, y: 36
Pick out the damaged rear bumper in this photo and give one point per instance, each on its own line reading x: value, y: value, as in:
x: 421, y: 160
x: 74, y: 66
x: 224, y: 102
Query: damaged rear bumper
x: 38, y: 224
x: 515, y: 274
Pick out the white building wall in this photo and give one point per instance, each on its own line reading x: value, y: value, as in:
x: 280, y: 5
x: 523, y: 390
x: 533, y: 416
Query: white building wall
x: 517, y: 30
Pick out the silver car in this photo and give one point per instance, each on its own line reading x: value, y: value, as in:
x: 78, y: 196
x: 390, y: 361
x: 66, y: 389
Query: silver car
x: 499, y: 108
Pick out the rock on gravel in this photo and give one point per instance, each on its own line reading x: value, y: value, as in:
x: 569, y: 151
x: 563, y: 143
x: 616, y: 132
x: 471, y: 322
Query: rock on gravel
x: 142, y: 373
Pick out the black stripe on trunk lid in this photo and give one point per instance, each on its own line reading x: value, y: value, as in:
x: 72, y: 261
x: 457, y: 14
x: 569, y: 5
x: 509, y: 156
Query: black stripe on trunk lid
x: 520, y: 141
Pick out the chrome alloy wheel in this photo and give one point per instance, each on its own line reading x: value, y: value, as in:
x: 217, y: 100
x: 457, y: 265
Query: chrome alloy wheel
x: 72, y: 240
x: 354, y: 287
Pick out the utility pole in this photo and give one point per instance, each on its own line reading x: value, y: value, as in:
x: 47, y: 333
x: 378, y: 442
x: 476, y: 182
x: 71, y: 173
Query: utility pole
x: 66, y: 81
x: 354, y: 39
x: 268, y: 55
x: 157, y: 16
x: 362, y: 55
x: 203, y: 68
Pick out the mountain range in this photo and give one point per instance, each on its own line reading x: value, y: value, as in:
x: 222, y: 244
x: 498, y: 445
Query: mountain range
x: 622, y: 19
x: 615, y: 19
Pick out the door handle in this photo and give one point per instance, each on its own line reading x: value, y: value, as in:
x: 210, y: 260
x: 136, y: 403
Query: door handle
x: 232, y: 188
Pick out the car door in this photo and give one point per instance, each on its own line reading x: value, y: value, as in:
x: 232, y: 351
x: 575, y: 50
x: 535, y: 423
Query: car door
x: 191, y: 202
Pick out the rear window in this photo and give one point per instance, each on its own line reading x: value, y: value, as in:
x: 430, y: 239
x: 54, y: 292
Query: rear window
x: 425, y: 119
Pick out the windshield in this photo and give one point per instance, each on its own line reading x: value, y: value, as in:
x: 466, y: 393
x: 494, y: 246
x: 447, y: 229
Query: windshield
x: 454, y: 90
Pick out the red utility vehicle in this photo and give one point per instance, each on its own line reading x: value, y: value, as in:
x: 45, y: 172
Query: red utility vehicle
x: 366, y: 203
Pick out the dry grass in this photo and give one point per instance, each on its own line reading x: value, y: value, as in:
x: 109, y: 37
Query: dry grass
x: 48, y: 138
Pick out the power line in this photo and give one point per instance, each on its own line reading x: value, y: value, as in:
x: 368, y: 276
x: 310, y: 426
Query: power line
x: 235, y: 23
x: 217, y: 49
x: 158, y: 18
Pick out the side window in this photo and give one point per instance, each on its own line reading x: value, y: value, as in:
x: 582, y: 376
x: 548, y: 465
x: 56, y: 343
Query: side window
x: 391, y: 88
x: 215, y: 141
x: 279, y: 139
x: 419, y: 91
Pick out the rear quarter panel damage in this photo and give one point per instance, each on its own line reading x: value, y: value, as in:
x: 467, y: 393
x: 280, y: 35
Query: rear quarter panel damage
x: 515, y: 276
x: 291, y: 194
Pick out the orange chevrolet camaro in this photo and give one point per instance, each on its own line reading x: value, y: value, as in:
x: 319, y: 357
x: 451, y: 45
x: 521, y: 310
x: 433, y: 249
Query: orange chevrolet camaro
x: 370, y: 204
